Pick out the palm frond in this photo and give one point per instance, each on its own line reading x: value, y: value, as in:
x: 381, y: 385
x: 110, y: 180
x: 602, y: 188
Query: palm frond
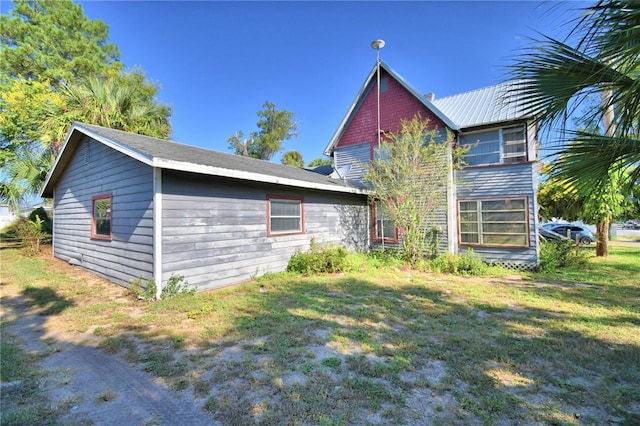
x: 589, y: 159
x: 554, y: 78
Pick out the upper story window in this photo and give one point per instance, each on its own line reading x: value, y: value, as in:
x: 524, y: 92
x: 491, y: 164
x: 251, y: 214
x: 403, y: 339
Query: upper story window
x: 498, y: 146
x: 101, y: 217
x: 384, y: 84
x: 285, y: 215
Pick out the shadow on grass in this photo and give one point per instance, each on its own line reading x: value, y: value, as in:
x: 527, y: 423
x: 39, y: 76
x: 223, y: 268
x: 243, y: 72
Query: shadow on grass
x: 332, y: 349
x: 383, y: 333
x: 48, y: 299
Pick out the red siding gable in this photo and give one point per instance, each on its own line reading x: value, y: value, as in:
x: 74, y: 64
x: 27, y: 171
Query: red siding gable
x: 396, y: 103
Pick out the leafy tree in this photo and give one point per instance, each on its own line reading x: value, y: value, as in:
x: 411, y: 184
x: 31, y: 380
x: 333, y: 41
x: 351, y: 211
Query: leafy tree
x: 559, y: 77
x: 274, y: 127
x: 293, y: 158
x: 408, y: 174
x: 54, y: 41
x: 59, y: 68
x: 631, y: 208
x: 556, y: 199
x: 117, y: 102
x: 320, y: 162
x: 23, y: 107
x: 24, y: 176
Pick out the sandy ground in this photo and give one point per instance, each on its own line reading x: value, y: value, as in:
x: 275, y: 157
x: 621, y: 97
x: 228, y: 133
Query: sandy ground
x: 98, y: 388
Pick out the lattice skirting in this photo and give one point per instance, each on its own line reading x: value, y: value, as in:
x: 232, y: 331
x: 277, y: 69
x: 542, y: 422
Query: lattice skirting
x: 517, y: 266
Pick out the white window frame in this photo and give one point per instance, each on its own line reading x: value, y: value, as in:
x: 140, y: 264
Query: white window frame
x: 98, y: 216
x: 387, y: 223
x: 478, y: 218
x: 285, y: 200
x: 520, y: 156
x: 504, y: 158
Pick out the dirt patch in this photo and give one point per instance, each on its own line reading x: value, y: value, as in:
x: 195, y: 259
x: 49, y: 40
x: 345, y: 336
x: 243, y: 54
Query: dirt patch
x: 91, y: 387
x: 441, y: 350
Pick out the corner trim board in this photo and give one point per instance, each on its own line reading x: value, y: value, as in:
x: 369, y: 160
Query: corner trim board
x: 157, y: 230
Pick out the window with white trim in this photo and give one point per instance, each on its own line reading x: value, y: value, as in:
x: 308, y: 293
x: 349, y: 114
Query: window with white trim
x: 494, y: 222
x: 285, y: 215
x: 101, y: 217
x: 514, y: 145
x: 385, y: 226
x: 508, y: 145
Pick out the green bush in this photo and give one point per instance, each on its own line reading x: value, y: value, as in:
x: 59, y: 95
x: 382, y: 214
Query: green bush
x: 32, y: 234
x: 175, y: 286
x: 41, y: 214
x: 387, y: 257
x: 319, y: 260
x: 468, y: 264
x: 147, y: 290
x: 560, y: 254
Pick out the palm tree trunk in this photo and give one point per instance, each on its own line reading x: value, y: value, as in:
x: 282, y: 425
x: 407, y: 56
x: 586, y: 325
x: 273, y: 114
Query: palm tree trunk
x: 602, y: 238
x: 602, y: 226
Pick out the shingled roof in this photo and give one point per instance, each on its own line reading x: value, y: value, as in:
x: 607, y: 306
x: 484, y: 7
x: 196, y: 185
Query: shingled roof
x: 172, y: 155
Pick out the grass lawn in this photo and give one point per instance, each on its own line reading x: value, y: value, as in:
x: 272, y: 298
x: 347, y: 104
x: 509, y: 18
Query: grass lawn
x: 377, y: 346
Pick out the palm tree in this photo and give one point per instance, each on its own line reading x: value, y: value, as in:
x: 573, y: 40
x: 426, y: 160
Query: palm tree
x: 126, y: 102
x: 558, y: 80
x: 24, y: 177
x: 122, y: 102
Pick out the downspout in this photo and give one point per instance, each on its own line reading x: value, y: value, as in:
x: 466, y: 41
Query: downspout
x: 53, y: 227
x: 535, y: 185
x: 157, y: 230
x: 378, y: 44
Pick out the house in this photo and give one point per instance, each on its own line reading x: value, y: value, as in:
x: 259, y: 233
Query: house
x: 7, y: 215
x: 129, y: 206
x: 133, y: 207
x: 490, y: 202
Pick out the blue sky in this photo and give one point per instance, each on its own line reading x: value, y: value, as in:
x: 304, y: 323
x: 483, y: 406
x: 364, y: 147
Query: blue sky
x: 218, y: 62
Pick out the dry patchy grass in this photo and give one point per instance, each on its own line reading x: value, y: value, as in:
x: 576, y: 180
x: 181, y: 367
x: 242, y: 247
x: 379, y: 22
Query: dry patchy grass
x: 383, y: 347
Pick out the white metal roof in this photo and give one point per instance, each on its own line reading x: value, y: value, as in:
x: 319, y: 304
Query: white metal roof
x: 482, y: 106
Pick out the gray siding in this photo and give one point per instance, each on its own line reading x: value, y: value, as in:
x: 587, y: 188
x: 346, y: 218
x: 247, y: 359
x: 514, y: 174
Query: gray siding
x: 215, y: 230
x: 359, y: 157
x: 95, y: 170
x: 503, y: 181
x: 356, y: 156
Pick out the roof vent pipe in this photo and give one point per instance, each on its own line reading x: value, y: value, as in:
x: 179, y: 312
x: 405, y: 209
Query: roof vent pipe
x: 430, y: 96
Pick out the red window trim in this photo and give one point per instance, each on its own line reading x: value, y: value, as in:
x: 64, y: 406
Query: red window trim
x: 374, y: 237
x: 512, y: 197
x: 284, y: 197
x: 95, y: 236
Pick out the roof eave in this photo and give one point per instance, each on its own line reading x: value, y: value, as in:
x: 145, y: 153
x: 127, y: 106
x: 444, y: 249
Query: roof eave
x: 255, y: 177
x: 328, y: 151
x: 77, y: 131
x: 495, y: 123
x: 70, y: 143
x: 429, y: 105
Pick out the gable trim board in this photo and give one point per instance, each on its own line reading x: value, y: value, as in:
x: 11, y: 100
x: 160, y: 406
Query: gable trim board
x: 157, y: 226
x: 363, y: 90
